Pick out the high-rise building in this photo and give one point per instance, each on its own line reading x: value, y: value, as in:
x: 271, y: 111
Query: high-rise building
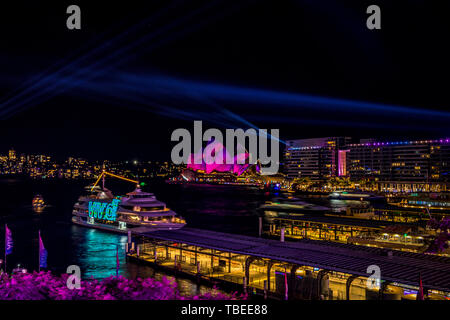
x: 12, y: 154
x: 422, y: 165
x: 316, y: 159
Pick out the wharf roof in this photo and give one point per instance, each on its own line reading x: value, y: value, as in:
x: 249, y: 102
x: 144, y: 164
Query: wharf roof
x: 402, y: 267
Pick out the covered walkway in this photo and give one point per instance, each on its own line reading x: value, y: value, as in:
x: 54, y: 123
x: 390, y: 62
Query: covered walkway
x: 311, y: 269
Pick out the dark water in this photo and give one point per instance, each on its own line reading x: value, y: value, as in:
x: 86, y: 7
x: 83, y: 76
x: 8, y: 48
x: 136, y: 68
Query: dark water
x: 221, y: 208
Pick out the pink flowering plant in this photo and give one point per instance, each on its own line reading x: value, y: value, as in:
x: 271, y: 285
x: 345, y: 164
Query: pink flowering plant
x: 46, y: 286
x: 440, y: 243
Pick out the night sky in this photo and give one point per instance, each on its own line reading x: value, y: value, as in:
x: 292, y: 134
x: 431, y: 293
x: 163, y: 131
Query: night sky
x: 134, y: 72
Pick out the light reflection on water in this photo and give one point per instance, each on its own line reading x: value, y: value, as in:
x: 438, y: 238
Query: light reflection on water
x: 97, y: 250
x: 219, y: 208
x: 185, y: 287
x: 96, y: 255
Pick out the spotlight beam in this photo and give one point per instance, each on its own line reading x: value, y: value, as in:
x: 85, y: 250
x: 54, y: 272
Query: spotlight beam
x: 120, y: 51
x: 68, y: 61
x: 72, y: 65
x: 288, y: 100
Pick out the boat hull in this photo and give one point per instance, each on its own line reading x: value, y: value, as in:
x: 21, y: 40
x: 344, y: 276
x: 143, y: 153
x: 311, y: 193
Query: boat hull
x: 355, y: 196
x: 115, y: 229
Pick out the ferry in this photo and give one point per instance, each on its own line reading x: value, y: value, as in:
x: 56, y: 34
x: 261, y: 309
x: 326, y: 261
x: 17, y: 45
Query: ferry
x: 137, y: 211
x: 355, y: 195
x: 292, y: 205
x: 38, y: 203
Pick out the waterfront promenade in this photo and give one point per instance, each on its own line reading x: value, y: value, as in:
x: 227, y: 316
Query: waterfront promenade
x: 310, y: 269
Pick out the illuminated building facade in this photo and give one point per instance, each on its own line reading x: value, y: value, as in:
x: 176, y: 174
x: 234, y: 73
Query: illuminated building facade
x: 12, y: 154
x: 342, y: 162
x: 422, y: 165
x: 231, y: 169
x: 400, y: 166
x: 316, y: 159
x: 237, y: 164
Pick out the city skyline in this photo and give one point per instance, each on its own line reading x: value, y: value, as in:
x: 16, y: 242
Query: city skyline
x: 408, y: 164
x: 46, y: 167
x: 165, y: 156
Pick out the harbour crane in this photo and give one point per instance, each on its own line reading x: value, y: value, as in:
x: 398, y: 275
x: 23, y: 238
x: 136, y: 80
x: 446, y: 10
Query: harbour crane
x: 104, y: 173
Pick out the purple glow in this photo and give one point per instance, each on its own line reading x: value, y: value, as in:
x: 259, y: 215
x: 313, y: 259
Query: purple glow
x: 197, y: 163
x: 400, y: 142
x: 45, y: 286
x: 342, y: 162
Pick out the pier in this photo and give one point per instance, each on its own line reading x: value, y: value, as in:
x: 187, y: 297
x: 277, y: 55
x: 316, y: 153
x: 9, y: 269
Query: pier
x: 305, y: 269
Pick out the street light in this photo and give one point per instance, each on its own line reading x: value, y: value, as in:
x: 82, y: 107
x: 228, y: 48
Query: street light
x: 428, y: 210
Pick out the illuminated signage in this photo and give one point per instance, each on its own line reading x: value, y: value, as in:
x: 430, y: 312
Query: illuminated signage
x: 104, y: 210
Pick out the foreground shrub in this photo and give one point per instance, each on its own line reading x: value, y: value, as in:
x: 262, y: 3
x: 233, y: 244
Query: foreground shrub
x: 44, y: 285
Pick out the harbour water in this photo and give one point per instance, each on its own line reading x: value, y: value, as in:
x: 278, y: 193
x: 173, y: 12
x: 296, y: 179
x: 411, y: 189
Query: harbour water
x: 222, y: 208
x: 231, y: 209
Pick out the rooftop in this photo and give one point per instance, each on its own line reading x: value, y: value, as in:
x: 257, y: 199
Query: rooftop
x: 401, y: 267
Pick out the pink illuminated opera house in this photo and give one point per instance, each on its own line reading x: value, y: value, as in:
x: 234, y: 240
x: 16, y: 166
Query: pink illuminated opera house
x: 238, y: 167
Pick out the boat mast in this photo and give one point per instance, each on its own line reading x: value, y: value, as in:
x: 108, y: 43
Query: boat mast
x: 103, y: 176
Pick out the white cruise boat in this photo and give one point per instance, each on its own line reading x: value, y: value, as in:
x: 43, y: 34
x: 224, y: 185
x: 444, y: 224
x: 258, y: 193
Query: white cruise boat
x: 102, y: 210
